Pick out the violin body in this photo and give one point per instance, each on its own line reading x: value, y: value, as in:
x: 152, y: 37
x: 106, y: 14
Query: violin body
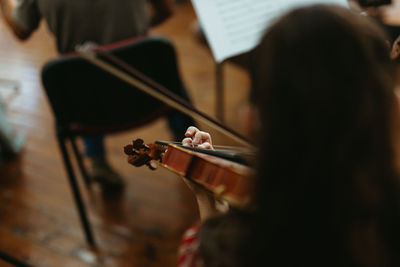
x: 227, y: 180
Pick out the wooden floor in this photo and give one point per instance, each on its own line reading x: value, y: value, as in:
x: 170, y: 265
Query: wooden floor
x: 143, y: 226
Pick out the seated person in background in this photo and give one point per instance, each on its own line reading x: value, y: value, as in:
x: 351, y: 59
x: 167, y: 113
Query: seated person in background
x: 103, y: 22
x: 327, y: 185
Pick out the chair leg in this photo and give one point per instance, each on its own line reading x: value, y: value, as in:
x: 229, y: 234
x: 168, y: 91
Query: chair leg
x: 76, y: 193
x: 14, y: 261
x: 219, y: 76
x: 80, y: 162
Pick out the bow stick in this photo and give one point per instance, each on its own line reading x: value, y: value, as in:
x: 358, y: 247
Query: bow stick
x: 125, y: 72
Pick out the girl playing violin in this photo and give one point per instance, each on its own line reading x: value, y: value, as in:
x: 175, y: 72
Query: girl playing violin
x: 327, y: 189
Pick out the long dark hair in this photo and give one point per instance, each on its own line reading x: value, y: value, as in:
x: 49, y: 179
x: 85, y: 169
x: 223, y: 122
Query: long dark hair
x: 328, y: 191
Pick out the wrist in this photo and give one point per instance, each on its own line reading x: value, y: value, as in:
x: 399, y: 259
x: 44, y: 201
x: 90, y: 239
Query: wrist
x: 206, y: 205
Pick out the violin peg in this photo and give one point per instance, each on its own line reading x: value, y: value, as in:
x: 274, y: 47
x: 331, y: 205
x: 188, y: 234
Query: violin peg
x: 128, y: 150
x: 139, y: 160
x: 138, y: 143
x: 152, y: 165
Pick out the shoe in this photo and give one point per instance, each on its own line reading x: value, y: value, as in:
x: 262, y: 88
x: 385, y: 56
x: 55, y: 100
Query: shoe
x: 109, y: 180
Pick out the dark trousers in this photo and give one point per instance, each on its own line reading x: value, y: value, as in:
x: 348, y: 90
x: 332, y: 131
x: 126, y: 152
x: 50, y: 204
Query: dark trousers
x: 177, y: 122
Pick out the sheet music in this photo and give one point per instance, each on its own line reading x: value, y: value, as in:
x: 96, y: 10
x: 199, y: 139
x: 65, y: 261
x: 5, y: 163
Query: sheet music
x: 233, y: 27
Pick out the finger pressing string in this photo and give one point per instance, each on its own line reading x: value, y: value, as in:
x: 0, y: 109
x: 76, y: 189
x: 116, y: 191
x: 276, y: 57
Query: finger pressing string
x: 191, y: 131
x: 187, y: 142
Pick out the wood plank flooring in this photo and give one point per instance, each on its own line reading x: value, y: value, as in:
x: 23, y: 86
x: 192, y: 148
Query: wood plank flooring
x: 143, y: 226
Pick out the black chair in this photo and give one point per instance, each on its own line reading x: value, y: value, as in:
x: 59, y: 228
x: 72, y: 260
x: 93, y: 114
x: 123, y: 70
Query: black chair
x: 88, y: 101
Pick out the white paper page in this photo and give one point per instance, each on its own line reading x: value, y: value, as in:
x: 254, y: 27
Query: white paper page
x: 233, y: 27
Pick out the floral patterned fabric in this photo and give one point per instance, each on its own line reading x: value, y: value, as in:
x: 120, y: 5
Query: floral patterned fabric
x: 188, y: 254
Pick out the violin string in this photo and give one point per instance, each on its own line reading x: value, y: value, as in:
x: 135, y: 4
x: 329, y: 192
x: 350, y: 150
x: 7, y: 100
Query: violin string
x: 221, y: 147
x: 216, y: 146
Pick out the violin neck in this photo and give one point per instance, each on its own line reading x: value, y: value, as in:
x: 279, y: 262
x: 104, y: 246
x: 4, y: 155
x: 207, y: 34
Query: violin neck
x: 225, y: 154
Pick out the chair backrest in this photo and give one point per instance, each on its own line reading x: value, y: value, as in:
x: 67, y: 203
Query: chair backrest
x: 83, y: 95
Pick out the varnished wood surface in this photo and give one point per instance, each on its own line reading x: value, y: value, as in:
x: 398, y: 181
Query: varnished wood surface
x: 142, y: 227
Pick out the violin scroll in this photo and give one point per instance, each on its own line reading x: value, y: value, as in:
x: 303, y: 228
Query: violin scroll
x: 140, y: 154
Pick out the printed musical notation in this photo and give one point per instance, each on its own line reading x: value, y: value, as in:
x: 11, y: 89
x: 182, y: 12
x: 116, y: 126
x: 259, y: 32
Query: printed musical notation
x: 233, y: 27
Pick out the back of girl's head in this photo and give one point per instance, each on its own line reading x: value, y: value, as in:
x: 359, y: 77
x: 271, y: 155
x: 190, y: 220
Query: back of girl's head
x: 323, y: 83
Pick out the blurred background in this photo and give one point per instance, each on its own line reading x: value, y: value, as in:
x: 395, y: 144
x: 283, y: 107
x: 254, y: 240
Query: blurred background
x: 143, y: 225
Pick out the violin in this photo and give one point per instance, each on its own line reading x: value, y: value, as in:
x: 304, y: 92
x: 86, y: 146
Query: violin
x: 226, y: 179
